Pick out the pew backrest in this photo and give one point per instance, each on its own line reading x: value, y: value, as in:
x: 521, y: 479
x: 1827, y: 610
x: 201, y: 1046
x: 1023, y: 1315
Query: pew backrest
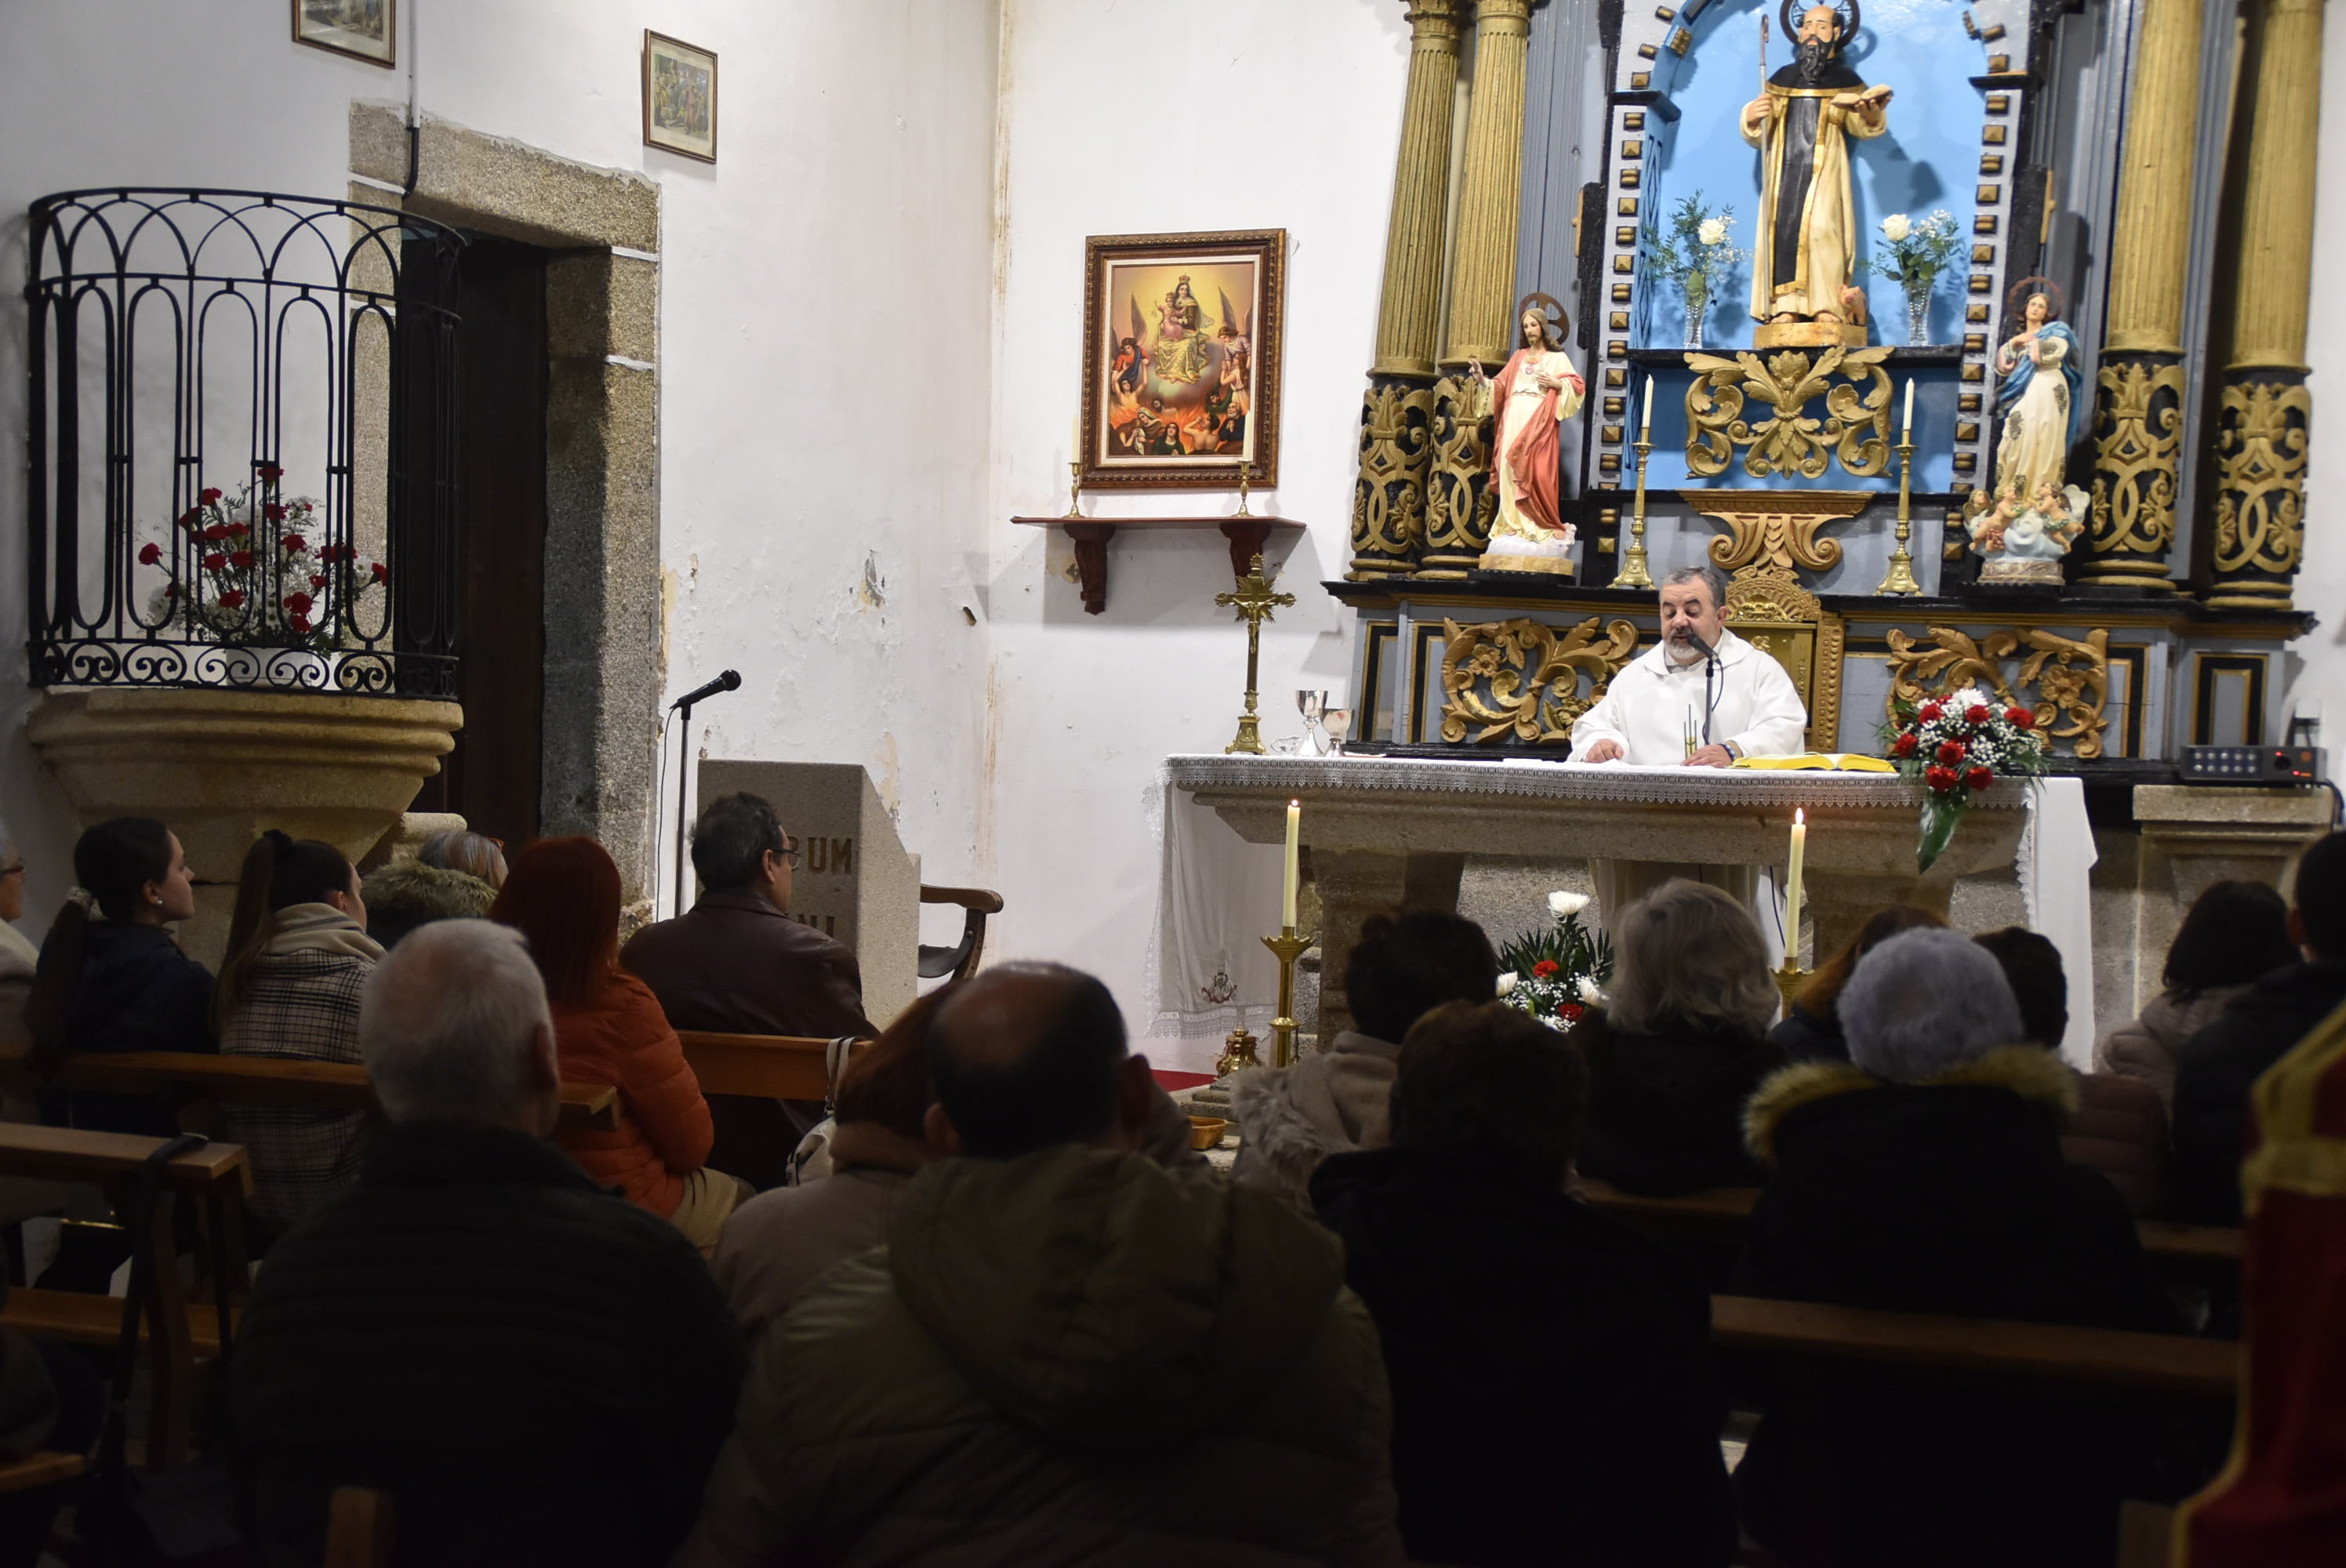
x: 770, y: 1066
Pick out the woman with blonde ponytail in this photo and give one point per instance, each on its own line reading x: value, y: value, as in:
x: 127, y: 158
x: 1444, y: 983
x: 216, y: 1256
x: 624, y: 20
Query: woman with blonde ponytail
x: 298, y: 956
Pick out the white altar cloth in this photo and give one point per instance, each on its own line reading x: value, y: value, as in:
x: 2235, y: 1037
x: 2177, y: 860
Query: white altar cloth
x: 1217, y: 893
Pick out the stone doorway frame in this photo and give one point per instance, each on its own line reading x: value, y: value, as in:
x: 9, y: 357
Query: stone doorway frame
x: 605, y: 655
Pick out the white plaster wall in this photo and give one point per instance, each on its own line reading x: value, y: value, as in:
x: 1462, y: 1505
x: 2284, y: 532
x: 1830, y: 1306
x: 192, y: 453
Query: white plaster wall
x: 826, y: 290
x: 2318, y: 662
x: 1144, y: 117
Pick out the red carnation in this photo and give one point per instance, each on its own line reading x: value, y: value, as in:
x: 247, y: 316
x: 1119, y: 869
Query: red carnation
x: 295, y: 543
x: 1951, y: 752
x: 273, y: 511
x: 1546, y: 969
x: 317, y: 581
x: 149, y: 553
x: 209, y: 496
x: 269, y: 472
x: 380, y: 574
x: 298, y: 622
x: 215, y: 562
x: 1570, y: 1012
x: 239, y: 559
x: 232, y: 600
x: 239, y: 530
x: 1979, y: 778
x: 190, y: 517
x: 1977, y: 713
x: 1939, y: 778
x: 216, y: 532
x: 297, y: 602
x: 172, y: 590
x: 2019, y: 718
x: 1904, y: 745
x: 1932, y: 713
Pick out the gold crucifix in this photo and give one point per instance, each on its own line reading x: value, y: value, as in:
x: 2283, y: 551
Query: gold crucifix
x: 1253, y: 600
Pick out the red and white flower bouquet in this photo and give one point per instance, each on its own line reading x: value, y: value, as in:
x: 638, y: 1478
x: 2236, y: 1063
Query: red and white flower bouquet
x: 1955, y: 745
x: 246, y: 570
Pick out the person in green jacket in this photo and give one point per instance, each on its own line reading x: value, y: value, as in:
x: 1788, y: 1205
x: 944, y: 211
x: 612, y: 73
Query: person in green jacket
x: 1064, y: 1353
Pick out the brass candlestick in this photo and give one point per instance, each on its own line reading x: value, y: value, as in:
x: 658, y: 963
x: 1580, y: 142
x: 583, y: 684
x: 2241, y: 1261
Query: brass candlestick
x: 1790, y: 978
x: 1237, y: 1054
x: 1075, y: 487
x: 1633, y: 573
x: 1253, y: 600
x: 1287, y: 947
x: 1900, y: 579
x: 1242, y: 511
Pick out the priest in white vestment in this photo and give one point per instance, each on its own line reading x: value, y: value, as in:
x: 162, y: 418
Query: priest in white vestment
x: 1666, y: 709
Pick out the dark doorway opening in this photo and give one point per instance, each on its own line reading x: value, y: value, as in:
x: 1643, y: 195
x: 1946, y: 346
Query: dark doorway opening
x: 493, y: 778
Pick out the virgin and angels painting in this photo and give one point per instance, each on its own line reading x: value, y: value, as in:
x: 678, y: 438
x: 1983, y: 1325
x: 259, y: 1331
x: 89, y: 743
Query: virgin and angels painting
x: 1182, y: 359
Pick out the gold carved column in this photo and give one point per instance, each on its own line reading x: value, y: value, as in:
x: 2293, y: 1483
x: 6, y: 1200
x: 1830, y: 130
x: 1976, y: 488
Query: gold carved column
x: 1482, y: 291
x: 1397, y: 413
x: 2261, y: 429
x: 2139, y: 391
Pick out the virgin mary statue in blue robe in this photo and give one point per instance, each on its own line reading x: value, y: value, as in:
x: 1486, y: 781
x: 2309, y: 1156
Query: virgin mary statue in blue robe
x: 2041, y: 395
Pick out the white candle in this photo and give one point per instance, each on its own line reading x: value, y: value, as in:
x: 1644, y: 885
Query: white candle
x: 1910, y: 409
x: 1294, y: 851
x: 1645, y: 412
x: 1792, y: 889
x: 1076, y: 429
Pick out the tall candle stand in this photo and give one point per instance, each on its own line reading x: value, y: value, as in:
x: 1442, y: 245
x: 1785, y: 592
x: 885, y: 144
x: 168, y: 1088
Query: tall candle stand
x: 1901, y: 579
x: 1287, y: 947
x: 1633, y: 573
x: 1790, y: 978
x: 1254, y: 601
x: 1075, y: 487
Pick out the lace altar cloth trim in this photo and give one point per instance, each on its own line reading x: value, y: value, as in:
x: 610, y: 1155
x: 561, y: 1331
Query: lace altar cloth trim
x: 1600, y: 781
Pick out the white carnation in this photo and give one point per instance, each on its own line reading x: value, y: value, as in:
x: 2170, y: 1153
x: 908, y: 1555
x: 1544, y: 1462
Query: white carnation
x: 1507, y: 983
x: 1590, y: 992
x: 1896, y: 227
x: 1713, y: 230
x: 1561, y: 904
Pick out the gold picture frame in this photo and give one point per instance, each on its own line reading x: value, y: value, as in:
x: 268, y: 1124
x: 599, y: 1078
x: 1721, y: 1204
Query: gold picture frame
x: 680, y: 96
x: 364, y: 30
x: 1182, y: 340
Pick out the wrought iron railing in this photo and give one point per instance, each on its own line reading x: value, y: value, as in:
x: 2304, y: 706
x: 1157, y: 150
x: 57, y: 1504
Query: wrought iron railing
x: 242, y: 425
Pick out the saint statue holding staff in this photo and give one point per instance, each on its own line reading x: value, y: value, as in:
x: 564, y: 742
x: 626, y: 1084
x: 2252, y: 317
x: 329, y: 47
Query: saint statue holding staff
x: 1803, y: 124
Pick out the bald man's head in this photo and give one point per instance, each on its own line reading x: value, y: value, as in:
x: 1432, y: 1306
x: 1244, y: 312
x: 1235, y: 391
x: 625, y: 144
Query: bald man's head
x: 1027, y: 1057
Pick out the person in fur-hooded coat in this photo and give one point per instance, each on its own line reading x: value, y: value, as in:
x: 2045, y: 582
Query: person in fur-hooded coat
x: 1927, y: 1176
x: 404, y: 894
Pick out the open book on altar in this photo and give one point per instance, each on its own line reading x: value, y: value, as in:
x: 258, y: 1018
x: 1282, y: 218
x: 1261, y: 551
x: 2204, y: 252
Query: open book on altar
x: 1820, y: 762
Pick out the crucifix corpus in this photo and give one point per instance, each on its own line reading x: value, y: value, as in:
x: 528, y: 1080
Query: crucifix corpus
x: 1254, y: 601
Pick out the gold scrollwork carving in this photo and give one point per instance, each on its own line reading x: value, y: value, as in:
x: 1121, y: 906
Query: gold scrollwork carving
x: 1458, y: 511
x: 1525, y: 675
x: 2260, y: 455
x: 1775, y: 530
x: 2071, y: 678
x: 2140, y: 431
x: 1855, y: 429
x: 1389, y: 499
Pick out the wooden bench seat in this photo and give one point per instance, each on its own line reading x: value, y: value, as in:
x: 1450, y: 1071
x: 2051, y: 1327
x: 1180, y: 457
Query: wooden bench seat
x: 77, y: 1318
x: 772, y: 1066
x: 36, y: 1470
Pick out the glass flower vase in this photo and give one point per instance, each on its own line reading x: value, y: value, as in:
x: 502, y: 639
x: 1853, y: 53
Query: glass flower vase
x: 1918, y: 316
x: 1698, y: 306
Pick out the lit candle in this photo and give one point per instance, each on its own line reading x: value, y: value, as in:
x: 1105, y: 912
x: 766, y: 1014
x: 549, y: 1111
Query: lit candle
x: 1294, y: 851
x: 1645, y: 412
x: 1909, y: 434
x: 1792, y: 889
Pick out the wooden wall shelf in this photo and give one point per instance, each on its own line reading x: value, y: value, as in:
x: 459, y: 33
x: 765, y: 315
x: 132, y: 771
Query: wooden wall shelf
x: 1248, y: 536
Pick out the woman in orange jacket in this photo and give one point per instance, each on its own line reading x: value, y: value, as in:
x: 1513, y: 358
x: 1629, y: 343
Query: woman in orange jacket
x: 564, y: 895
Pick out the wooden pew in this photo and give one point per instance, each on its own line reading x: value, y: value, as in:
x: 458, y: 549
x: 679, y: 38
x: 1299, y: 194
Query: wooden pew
x: 772, y: 1066
x: 1717, y: 1217
x: 175, y: 1334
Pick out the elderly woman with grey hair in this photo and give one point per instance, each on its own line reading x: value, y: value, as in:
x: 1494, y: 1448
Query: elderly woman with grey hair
x: 1926, y: 1175
x: 1680, y: 1046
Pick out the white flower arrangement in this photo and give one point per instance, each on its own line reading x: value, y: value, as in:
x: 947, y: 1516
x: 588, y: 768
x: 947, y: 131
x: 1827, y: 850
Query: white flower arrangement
x: 1507, y: 984
x: 1896, y: 227
x: 1561, y: 903
x: 1713, y: 231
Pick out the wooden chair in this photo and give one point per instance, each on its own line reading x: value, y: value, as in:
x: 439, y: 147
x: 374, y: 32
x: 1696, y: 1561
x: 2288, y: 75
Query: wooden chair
x: 960, y: 961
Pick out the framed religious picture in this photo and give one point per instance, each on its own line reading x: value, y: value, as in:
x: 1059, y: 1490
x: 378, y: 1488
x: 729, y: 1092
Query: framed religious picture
x: 679, y: 98
x: 1182, y: 345
x: 364, y: 29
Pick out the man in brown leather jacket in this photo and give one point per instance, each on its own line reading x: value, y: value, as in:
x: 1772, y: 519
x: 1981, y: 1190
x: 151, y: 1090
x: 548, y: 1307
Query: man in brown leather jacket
x: 736, y: 964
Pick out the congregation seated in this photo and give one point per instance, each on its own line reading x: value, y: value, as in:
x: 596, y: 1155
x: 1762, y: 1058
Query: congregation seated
x: 1926, y: 1175
x: 2234, y: 934
x: 297, y: 957
x: 2218, y: 1065
x: 18, y: 957
x: 2118, y: 1128
x: 777, y: 1243
x: 1553, y: 1400
x: 1064, y: 1353
x: 1678, y: 1048
x: 1406, y: 963
x: 737, y: 963
x: 1810, y: 1030
x: 477, y: 855
x: 564, y: 895
x: 121, y: 983
x: 534, y: 1370
x: 402, y: 895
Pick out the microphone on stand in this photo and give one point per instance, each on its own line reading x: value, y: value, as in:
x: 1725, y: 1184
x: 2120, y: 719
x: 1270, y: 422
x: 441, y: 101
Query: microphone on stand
x: 730, y: 680
x: 1709, y: 673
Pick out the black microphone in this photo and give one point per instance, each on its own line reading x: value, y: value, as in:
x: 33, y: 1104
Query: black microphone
x: 729, y: 681
x: 1700, y: 646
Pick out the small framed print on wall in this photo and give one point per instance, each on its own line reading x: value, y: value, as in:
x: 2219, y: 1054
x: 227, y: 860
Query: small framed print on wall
x: 679, y: 98
x: 1181, y: 346
x: 364, y: 29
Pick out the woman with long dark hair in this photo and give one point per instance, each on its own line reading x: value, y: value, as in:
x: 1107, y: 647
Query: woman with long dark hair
x: 2234, y: 934
x: 1810, y: 1030
x: 564, y: 895
x: 298, y: 956
x: 121, y: 983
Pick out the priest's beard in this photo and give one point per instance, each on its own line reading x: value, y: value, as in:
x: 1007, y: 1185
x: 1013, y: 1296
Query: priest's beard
x: 1809, y: 58
x: 1681, y: 653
